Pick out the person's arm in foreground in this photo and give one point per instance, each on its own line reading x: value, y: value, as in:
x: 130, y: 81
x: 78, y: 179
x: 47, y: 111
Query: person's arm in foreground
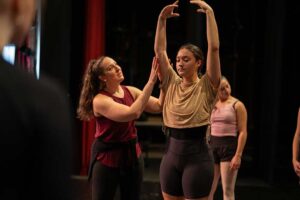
x: 295, y: 153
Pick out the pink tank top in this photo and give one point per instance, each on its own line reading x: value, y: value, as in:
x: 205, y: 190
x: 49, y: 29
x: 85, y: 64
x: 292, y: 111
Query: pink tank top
x: 223, y: 121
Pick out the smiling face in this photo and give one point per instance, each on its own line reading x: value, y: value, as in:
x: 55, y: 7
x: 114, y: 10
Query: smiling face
x: 112, y: 71
x: 224, y: 91
x: 186, y: 63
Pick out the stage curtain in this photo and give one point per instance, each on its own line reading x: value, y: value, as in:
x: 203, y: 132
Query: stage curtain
x: 94, y: 46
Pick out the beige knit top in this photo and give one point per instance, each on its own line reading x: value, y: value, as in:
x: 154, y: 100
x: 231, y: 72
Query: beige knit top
x: 187, y: 107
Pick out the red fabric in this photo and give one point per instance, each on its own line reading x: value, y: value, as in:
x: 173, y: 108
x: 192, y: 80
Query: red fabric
x: 94, y: 47
x: 113, y: 131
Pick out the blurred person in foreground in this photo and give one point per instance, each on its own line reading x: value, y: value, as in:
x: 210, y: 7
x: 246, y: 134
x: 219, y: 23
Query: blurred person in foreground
x: 35, y: 120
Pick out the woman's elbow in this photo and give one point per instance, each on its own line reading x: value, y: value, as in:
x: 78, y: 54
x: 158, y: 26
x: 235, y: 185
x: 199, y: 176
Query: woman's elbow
x: 159, y: 52
x: 158, y: 107
x: 137, y: 115
x: 214, y: 47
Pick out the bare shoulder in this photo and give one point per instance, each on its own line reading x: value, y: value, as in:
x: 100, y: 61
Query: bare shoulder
x: 232, y: 100
x: 240, y: 106
x: 135, y: 92
x: 101, y: 99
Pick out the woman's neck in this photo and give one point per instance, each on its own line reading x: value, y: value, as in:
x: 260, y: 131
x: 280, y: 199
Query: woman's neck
x: 114, y: 90
x: 225, y: 100
x: 186, y: 82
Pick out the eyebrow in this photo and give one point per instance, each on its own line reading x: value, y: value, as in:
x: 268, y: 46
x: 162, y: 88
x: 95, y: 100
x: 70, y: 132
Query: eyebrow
x: 114, y: 63
x: 182, y: 57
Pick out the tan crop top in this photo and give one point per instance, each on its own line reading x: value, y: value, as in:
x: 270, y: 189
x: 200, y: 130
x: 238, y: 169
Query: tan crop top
x: 190, y: 106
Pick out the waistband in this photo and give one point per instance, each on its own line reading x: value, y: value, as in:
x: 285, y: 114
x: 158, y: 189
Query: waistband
x: 99, y: 146
x: 187, y: 133
x: 223, y: 141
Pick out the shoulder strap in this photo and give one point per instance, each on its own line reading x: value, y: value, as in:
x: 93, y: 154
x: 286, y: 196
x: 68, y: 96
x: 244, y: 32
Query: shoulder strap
x: 233, y: 105
x: 127, y: 92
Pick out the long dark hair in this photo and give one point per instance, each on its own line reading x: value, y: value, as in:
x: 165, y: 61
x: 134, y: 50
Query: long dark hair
x: 91, y: 86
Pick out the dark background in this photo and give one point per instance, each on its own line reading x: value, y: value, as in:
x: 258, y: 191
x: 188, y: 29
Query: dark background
x: 259, y: 55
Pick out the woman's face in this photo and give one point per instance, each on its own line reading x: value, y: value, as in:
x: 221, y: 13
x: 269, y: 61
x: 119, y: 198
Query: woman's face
x: 112, y: 71
x: 224, y: 90
x: 186, y: 64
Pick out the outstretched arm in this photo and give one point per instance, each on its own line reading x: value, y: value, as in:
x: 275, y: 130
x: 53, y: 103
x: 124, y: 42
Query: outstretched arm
x: 160, y: 44
x: 296, y: 143
x: 154, y: 104
x: 213, y: 68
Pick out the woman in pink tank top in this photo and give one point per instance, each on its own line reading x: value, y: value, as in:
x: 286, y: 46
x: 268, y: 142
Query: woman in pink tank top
x: 227, y: 139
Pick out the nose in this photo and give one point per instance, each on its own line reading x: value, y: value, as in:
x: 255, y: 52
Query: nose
x: 117, y: 67
x: 179, y: 62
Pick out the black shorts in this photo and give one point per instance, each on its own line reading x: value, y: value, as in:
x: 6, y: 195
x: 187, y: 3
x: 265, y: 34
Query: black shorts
x: 224, y: 148
x: 106, y: 180
x: 187, y: 168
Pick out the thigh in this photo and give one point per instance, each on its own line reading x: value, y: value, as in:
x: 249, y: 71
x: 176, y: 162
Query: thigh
x: 198, y: 177
x: 228, y: 176
x: 224, y: 148
x: 131, y: 181
x: 216, y: 154
x: 170, y: 176
x: 105, y: 181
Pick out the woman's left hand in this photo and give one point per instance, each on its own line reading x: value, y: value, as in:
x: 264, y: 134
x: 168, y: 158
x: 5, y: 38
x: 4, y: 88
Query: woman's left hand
x: 235, y: 162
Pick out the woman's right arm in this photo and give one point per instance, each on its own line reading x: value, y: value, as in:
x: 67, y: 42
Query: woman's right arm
x: 296, y: 141
x: 160, y: 44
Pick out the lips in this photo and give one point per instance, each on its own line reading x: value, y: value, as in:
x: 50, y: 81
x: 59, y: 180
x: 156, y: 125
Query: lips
x: 180, y: 69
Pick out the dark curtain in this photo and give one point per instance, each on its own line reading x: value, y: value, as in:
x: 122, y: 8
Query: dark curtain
x: 94, y: 47
x: 55, y: 41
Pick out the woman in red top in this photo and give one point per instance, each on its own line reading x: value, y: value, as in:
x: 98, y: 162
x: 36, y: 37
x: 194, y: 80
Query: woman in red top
x: 116, y: 155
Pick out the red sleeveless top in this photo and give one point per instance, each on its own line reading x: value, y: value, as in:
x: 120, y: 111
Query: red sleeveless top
x: 112, y: 131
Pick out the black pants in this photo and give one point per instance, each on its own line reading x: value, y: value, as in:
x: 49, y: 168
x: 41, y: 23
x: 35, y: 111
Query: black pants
x: 106, y: 180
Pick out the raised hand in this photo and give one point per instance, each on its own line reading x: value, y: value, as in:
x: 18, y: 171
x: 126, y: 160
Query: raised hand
x: 202, y: 4
x: 168, y: 11
x: 154, y: 70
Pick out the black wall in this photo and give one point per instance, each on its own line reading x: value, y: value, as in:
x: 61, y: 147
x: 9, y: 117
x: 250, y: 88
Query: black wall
x: 258, y: 56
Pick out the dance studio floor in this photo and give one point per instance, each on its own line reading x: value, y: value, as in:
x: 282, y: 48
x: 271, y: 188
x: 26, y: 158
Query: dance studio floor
x: 246, y: 188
